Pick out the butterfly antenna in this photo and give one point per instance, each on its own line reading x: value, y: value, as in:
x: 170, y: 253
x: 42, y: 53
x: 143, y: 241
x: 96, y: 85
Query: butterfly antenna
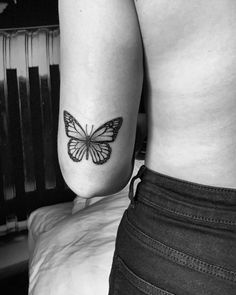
x: 91, y: 131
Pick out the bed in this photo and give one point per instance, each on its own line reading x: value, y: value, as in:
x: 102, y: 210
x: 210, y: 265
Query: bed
x: 71, y: 244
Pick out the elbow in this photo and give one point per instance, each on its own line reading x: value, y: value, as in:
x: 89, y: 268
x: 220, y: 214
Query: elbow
x: 84, y: 190
x: 77, y: 183
x: 88, y: 183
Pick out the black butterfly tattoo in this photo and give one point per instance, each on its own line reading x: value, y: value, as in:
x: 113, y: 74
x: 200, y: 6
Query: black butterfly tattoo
x: 95, y: 144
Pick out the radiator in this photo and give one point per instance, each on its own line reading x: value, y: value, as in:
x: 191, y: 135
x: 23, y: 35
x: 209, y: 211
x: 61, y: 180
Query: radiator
x: 29, y: 101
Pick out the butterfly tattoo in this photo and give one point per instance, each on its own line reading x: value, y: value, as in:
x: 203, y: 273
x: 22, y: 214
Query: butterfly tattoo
x: 94, y: 144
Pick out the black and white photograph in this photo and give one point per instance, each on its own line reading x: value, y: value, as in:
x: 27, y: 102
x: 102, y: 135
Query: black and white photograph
x: 118, y: 147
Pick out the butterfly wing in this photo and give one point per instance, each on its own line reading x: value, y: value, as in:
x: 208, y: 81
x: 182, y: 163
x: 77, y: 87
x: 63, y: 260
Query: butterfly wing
x: 77, y: 146
x: 73, y: 128
x: 108, y: 131
x: 99, y: 147
x: 100, y: 152
x: 76, y: 149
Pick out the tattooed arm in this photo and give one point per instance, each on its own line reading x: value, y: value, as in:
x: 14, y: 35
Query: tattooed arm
x: 101, y: 82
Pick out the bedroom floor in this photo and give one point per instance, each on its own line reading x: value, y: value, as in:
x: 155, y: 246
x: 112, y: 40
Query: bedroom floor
x: 14, y: 264
x: 15, y: 285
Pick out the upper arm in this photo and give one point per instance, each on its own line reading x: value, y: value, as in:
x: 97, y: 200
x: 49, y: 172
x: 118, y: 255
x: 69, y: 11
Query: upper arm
x: 101, y: 79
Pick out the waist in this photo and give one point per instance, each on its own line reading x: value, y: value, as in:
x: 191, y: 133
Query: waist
x: 201, y: 204
x: 210, y: 163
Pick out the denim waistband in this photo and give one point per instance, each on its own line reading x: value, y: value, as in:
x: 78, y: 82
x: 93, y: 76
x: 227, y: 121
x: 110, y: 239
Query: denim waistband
x: 213, y: 206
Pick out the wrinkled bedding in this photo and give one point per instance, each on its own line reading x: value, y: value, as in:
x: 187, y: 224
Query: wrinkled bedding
x: 72, y: 244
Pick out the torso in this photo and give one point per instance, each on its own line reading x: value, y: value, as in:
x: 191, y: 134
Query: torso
x: 190, y: 56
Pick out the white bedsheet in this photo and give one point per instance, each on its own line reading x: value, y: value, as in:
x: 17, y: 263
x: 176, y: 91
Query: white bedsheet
x: 72, y: 253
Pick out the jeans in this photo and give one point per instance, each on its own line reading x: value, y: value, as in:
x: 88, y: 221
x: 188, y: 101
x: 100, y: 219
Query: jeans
x: 175, y: 238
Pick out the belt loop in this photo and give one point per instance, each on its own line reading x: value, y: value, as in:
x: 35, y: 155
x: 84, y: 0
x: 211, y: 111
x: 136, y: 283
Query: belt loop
x: 131, y: 186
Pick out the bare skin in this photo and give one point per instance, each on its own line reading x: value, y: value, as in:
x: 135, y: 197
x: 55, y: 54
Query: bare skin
x: 190, y: 54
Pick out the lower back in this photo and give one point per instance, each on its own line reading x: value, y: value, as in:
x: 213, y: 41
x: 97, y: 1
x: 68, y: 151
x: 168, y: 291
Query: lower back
x: 190, y: 55
x: 202, y: 152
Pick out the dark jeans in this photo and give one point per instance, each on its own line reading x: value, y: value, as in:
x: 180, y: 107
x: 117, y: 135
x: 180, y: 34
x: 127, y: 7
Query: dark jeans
x: 176, y: 237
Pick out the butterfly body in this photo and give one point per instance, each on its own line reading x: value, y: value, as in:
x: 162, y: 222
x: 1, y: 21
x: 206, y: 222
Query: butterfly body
x: 88, y: 143
x: 96, y: 144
